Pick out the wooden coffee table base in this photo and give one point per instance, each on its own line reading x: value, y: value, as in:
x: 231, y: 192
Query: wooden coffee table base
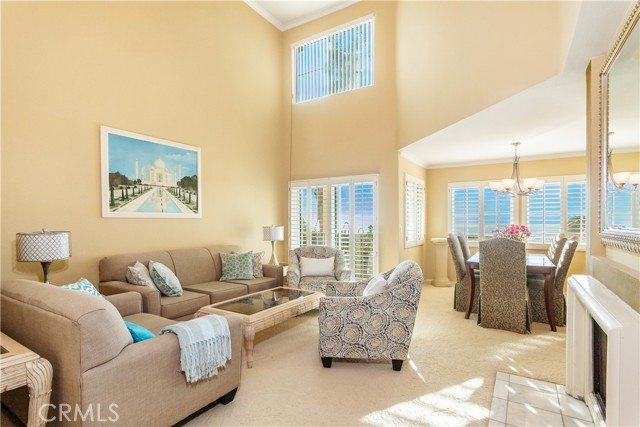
x: 267, y: 317
x: 20, y: 366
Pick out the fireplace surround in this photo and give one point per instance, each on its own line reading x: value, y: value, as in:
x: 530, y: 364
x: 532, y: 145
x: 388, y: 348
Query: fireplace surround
x: 588, y: 300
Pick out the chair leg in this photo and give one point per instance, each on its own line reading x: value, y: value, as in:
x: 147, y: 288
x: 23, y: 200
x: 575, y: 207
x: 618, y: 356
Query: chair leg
x: 228, y: 398
x: 397, y: 364
x: 326, y: 361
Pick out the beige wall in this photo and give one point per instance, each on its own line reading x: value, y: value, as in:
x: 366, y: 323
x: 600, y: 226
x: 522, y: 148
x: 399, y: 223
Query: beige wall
x: 445, y: 48
x: 181, y: 71
x: 437, y: 196
x: 352, y: 133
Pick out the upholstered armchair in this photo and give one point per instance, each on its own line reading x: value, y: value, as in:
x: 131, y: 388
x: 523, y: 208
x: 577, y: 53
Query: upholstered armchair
x: 298, y: 278
x: 504, y: 298
x: 377, y: 326
x: 462, y: 280
x: 536, y: 288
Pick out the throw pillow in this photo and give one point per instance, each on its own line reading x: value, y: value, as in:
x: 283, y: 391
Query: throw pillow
x: 376, y: 285
x: 138, y: 333
x: 237, y: 266
x: 316, y: 266
x: 258, y: 260
x: 139, y: 275
x: 164, y: 279
x: 83, y: 285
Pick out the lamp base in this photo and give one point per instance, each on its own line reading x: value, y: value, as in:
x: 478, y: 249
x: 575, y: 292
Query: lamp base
x: 274, y: 259
x: 46, y: 266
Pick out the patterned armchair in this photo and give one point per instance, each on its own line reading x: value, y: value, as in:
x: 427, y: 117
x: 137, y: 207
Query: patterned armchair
x: 316, y: 283
x: 536, y: 288
x: 462, y: 281
x: 504, y: 298
x: 378, y: 326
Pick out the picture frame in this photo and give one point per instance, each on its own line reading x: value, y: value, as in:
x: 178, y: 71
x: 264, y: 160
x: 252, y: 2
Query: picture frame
x: 148, y: 177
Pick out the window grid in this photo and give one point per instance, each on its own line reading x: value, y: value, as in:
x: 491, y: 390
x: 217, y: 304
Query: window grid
x: 414, y: 211
x: 342, y: 213
x: 338, y: 61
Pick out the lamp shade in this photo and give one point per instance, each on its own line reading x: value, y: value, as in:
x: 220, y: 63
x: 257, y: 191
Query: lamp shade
x: 271, y: 233
x: 43, y: 246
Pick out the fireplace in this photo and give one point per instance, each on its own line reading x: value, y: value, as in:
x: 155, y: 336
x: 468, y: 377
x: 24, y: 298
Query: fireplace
x: 603, y: 352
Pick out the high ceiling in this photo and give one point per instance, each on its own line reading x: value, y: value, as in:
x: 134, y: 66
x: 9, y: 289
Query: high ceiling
x: 549, y: 118
x: 285, y: 15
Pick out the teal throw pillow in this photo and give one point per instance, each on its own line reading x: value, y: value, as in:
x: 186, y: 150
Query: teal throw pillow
x: 83, y: 285
x: 138, y: 333
x: 237, y: 266
x: 164, y: 279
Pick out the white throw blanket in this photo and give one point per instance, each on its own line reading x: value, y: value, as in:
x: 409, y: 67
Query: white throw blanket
x: 205, y: 345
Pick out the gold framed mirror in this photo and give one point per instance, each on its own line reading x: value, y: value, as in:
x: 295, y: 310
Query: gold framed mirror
x: 620, y: 140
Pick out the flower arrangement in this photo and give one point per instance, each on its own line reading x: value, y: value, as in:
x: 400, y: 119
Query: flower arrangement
x: 514, y: 232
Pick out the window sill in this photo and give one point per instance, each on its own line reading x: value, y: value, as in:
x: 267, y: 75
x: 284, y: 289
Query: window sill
x: 409, y: 245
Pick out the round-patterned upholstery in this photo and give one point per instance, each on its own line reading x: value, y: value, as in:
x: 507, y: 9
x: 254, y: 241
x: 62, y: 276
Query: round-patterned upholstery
x: 378, y: 326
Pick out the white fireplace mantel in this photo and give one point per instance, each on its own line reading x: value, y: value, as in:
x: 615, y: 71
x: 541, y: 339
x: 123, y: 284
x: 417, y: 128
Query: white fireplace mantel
x: 589, y: 299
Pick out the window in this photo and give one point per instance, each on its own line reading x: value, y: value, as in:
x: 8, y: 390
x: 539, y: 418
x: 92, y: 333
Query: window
x: 338, y: 212
x: 560, y: 207
x: 335, y: 62
x: 623, y: 208
x: 476, y: 211
x: 414, y: 227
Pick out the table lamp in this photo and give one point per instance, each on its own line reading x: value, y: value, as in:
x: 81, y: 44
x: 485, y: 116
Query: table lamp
x: 43, y: 247
x: 273, y: 233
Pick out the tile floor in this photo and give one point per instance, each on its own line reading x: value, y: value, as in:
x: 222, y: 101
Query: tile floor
x: 522, y: 402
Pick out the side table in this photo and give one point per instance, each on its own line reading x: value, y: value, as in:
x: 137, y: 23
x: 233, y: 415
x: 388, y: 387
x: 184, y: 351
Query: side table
x: 20, y: 366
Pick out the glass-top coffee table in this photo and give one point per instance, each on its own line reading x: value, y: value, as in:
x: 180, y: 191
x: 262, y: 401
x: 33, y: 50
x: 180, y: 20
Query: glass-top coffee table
x: 262, y: 310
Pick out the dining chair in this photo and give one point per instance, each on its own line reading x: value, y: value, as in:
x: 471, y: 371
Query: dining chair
x: 555, y: 247
x: 504, y: 298
x: 462, y: 281
x: 464, y: 244
x: 536, y: 289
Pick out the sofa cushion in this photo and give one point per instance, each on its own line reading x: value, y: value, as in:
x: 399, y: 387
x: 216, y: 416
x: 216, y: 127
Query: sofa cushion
x: 150, y: 322
x: 258, y: 260
x: 215, y: 251
x: 316, y: 266
x: 139, y: 275
x: 257, y: 285
x: 237, y: 266
x: 376, y: 285
x: 138, y: 333
x: 219, y: 291
x: 184, y: 305
x: 164, y: 279
x: 114, y: 268
x: 193, y: 265
x: 83, y: 285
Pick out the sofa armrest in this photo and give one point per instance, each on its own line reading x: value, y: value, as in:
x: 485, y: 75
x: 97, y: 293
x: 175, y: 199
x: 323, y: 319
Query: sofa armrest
x: 127, y: 303
x: 150, y: 297
x: 275, y: 271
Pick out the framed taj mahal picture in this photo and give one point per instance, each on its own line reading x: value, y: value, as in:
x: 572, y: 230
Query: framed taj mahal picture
x: 147, y: 177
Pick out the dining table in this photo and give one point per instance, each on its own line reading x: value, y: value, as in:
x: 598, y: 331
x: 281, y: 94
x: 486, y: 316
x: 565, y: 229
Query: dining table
x: 536, y: 264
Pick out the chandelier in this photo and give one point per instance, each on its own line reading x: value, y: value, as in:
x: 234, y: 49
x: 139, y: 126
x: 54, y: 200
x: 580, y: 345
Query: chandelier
x: 516, y: 185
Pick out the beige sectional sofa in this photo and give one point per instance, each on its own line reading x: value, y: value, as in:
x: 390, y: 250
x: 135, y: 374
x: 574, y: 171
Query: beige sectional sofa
x: 199, y: 271
x: 96, y: 364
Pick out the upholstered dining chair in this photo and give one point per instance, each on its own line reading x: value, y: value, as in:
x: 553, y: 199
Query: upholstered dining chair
x: 462, y: 281
x: 555, y: 248
x: 536, y: 288
x: 357, y: 325
x: 308, y: 267
x: 504, y: 298
x: 464, y: 244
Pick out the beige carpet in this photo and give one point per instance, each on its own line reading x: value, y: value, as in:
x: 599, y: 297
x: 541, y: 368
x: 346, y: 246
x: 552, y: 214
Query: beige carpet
x: 448, y: 380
